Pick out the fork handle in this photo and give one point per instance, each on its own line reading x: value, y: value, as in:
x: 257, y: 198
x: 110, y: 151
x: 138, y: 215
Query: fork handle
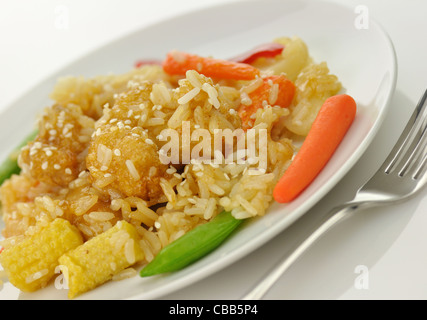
x: 337, y: 215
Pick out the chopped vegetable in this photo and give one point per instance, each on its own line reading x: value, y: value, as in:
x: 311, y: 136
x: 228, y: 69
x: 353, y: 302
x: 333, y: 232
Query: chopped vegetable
x: 141, y: 63
x: 193, y: 245
x: 10, y: 165
x: 97, y: 260
x: 267, y: 50
x: 328, y: 129
x: 31, y: 263
x: 178, y: 63
x: 274, y: 90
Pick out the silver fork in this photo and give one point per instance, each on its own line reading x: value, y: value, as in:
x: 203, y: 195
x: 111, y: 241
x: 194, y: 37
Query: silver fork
x: 402, y: 174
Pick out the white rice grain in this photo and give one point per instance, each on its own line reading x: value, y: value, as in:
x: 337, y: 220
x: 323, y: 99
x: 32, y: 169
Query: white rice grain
x: 213, y: 95
x: 189, y: 96
x: 273, y: 94
x: 192, y: 77
x: 130, y: 251
x: 210, y: 208
x: 132, y: 170
x: 101, y: 215
x: 125, y: 274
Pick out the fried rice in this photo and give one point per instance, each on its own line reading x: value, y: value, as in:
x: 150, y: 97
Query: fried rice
x: 96, y: 159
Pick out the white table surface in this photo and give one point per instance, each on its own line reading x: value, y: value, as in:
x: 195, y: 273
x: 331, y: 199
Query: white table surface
x: 388, y: 244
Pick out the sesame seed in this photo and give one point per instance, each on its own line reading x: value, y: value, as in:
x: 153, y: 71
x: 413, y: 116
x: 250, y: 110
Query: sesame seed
x: 117, y: 152
x: 44, y: 165
x: 56, y: 166
x: 68, y: 171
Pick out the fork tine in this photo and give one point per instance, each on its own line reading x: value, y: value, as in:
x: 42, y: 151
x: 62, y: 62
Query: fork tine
x: 410, y: 139
x: 415, y: 152
x: 421, y: 168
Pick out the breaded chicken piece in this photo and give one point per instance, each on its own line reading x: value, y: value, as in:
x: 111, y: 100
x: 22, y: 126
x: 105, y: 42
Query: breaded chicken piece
x: 123, y: 153
x: 17, y: 191
x: 130, y: 159
x: 54, y: 157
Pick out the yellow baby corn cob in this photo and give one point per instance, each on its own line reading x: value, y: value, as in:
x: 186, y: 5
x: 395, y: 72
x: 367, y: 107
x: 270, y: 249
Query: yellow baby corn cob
x: 97, y: 260
x: 31, y: 263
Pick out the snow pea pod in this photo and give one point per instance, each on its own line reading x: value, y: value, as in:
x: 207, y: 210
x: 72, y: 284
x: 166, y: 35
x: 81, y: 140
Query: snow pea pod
x: 10, y: 164
x: 193, y: 245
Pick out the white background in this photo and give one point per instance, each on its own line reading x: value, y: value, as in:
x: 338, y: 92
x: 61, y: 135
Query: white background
x: 390, y: 243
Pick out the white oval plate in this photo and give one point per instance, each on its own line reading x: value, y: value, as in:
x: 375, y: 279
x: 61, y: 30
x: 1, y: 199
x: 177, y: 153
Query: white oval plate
x: 358, y: 51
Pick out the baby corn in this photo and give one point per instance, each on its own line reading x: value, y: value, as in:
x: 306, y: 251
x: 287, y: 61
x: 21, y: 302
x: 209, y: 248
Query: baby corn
x: 100, y: 258
x: 31, y: 263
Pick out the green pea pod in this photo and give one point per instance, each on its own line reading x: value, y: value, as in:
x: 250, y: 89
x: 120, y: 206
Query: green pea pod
x: 193, y: 245
x: 10, y: 165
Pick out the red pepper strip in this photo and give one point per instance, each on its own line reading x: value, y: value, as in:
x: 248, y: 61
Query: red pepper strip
x: 141, y: 63
x: 267, y: 50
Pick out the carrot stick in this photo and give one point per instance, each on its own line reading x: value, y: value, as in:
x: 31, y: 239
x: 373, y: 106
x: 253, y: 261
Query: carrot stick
x: 285, y: 94
x: 328, y: 129
x: 178, y: 63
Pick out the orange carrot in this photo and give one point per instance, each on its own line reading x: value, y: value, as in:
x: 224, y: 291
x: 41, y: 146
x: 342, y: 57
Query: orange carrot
x: 178, y: 63
x: 285, y: 94
x: 331, y: 124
